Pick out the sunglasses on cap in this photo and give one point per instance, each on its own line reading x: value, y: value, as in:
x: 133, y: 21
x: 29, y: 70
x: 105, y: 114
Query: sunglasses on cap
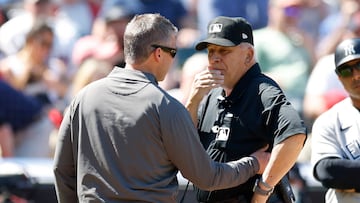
x: 347, y: 70
x: 171, y: 51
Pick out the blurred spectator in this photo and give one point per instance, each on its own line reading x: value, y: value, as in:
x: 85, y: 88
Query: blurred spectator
x: 323, y: 89
x: 106, y: 40
x: 176, y: 11
x: 130, y: 5
x: 95, y: 6
x: 332, y: 29
x: 3, y: 16
x: 7, y: 140
x: 74, y: 19
x: 17, y: 112
x: 255, y: 11
x: 312, y: 14
x: 13, y: 32
x: 3, y: 19
x: 69, y: 19
x: 90, y: 70
x: 284, y: 51
x: 28, y: 70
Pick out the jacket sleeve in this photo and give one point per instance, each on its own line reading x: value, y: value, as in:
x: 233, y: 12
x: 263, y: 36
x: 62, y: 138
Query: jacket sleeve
x: 183, y: 146
x: 64, y: 169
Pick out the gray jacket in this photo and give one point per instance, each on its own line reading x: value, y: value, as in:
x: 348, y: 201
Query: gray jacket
x: 124, y: 139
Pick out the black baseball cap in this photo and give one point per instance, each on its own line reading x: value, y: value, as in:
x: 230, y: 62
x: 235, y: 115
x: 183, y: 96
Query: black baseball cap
x: 346, y: 51
x: 227, y: 31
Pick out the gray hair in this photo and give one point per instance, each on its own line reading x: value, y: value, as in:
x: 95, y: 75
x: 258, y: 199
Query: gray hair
x: 143, y: 31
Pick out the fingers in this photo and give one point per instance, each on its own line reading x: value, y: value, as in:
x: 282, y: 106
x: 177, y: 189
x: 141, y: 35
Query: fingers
x: 263, y: 157
x: 209, y: 78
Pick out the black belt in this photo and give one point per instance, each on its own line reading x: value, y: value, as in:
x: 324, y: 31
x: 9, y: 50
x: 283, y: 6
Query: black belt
x: 238, y: 199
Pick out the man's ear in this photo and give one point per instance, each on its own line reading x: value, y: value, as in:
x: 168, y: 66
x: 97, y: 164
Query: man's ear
x: 156, y: 54
x: 249, y: 55
x: 247, y: 59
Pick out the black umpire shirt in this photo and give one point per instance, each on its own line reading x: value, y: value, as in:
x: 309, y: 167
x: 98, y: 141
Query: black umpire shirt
x: 261, y: 115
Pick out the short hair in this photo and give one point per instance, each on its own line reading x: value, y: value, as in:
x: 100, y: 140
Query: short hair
x: 143, y: 31
x: 39, y: 27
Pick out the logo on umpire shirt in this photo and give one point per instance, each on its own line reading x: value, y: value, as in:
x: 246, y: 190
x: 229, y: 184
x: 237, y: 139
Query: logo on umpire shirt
x: 223, y: 134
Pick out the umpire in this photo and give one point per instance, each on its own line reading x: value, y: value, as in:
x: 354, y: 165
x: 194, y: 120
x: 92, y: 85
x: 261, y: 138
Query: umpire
x: 243, y: 110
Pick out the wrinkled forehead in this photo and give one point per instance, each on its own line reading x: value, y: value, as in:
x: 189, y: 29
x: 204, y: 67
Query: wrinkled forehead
x: 219, y: 47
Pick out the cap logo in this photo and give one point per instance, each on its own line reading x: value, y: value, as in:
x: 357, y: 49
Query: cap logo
x: 244, y: 36
x: 349, y: 50
x: 213, y: 28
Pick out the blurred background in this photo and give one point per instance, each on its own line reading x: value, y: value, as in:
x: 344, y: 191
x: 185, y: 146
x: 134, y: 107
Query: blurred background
x: 50, y: 49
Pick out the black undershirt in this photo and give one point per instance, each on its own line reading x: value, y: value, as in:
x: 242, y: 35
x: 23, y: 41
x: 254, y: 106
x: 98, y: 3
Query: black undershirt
x: 338, y: 173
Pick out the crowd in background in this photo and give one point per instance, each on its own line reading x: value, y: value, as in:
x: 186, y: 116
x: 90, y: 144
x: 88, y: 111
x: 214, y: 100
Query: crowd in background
x: 50, y: 49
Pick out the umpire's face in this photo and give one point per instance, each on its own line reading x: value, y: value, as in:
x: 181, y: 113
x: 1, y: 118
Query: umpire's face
x: 233, y: 61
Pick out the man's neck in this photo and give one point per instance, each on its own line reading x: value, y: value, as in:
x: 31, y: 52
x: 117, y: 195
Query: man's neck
x: 228, y: 91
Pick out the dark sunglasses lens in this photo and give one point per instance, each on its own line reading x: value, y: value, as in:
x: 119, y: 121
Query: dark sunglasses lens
x: 173, y: 53
x: 345, y: 72
x: 169, y: 50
